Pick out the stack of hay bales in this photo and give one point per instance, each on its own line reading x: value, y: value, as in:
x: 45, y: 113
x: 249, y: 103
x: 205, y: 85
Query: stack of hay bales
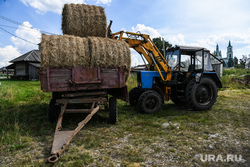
x: 84, y: 42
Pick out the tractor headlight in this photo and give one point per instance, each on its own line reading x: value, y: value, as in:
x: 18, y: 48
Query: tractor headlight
x: 198, y: 77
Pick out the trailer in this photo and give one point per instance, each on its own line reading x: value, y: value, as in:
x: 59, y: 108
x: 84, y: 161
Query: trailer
x: 81, y: 90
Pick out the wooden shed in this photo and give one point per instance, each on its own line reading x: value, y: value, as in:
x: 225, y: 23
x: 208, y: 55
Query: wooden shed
x: 26, y: 66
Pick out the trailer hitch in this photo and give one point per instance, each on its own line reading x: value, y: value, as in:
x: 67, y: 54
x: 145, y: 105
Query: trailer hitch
x: 53, y: 158
x: 63, y: 138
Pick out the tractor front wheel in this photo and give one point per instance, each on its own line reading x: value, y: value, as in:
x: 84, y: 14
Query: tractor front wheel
x: 150, y: 101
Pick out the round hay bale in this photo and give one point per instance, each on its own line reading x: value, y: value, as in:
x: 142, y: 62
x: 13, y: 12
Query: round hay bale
x: 84, y: 20
x: 72, y: 51
x: 66, y: 50
x: 107, y: 52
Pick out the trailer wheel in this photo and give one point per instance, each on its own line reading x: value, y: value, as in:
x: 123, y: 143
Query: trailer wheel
x: 203, y: 95
x: 53, y: 111
x: 134, y: 95
x: 150, y: 102
x: 113, y: 112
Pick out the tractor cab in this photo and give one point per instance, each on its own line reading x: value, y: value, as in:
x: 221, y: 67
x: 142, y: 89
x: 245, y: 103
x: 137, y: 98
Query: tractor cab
x: 188, y: 60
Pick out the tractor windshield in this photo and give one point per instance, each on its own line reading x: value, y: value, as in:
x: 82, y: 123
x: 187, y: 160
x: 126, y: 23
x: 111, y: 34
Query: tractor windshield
x: 172, y: 58
x: 189, y: 59
x: 185, y: 62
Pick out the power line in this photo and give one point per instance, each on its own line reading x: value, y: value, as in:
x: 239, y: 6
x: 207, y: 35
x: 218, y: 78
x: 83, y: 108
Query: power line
x: 15, y: 22
x: 17, y: 36
x: 28, y: 29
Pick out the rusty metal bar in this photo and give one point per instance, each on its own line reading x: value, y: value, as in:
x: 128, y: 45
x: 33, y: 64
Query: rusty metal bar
x: 85, y: 94
x: 77, y: 111
x: 59, y: 122
x: 63, y: 138
x: 83, y: 100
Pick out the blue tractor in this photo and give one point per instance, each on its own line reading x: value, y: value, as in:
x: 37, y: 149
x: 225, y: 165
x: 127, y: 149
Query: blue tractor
x: 185, y: 75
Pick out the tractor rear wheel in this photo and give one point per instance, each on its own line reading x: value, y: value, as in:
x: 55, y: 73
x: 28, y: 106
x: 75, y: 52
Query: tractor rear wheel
x: 150, y: 101
x: 202, y: 95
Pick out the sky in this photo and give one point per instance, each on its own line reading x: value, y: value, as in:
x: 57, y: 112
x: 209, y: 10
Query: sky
x: 203, y: 23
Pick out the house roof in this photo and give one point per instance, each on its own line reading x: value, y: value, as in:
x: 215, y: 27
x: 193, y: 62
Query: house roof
x: 33, y: 56
x: 37, y: 65
x: 3, y: 69
x: 11, y: 66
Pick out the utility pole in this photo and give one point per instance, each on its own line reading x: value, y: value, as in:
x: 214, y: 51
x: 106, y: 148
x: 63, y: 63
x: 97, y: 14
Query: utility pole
x: 164, y: 54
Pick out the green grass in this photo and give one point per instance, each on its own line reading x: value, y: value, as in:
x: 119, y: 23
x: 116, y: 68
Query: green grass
x: 229, y: 74
x: 136, y: 140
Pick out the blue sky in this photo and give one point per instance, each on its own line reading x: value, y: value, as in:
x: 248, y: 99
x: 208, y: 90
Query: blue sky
x: 185, y: 22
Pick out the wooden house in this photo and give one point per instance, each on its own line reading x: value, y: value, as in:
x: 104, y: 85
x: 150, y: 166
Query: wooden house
x: 26, y: 66
x: 5, y: 72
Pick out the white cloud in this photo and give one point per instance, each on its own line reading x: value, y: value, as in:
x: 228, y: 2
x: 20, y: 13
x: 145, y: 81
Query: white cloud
x: 24, y: 31
x: 146, y: 30
x: 56, y: 6
x: 239, y: 41
x: 44, y: 6
x: 104, y: 1
x: 176, y: 39
x: 8, y: 53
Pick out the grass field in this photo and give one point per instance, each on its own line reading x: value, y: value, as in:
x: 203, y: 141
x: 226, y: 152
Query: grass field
x: 174, y: 136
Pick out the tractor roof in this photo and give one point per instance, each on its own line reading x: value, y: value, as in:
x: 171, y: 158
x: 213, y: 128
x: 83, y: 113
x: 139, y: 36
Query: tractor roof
x: 187, y: 48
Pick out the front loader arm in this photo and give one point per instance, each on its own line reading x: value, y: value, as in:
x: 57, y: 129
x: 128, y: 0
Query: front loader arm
x: 145, y: 47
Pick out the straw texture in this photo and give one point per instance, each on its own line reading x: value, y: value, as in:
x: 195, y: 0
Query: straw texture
x: 72, y: 51
x: 84, y: 20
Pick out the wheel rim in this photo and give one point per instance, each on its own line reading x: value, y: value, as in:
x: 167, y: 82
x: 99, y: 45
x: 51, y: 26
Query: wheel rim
x: 151, y: 102
x: 204, y: 94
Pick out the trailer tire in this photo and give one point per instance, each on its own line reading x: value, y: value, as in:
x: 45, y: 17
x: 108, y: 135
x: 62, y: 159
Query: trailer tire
x: 134, y: 95
x: 202, y: 95
x: 150, y: 102
x: 53, y: 111
x: 113, y: 112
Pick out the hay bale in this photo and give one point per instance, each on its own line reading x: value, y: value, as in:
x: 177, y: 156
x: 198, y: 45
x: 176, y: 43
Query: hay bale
x: 84, y: 20
x: 72, y: 51
x: 109, y: 53
x: 66, y: 50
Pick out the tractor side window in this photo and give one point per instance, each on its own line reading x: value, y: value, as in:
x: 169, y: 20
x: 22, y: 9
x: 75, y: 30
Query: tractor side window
x: 172, y: 58
x: 185, y: 63
x: 207, y: 62
x: 198, y: 60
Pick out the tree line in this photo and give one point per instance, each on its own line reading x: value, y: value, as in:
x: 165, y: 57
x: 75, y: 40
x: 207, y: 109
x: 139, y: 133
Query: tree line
x: 244, y: 62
